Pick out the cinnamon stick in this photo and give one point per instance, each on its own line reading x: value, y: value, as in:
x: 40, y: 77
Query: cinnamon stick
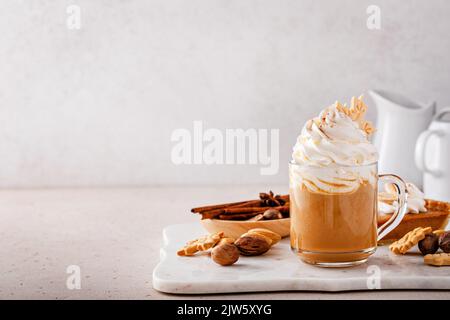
x: 251, y: 203
x: 212, y: 214
x: 230, y: 210
x: 241, y: 210
x: 216, y: 206
x: 283, y: 209
x: 252, y: 209
x: 239, y: 216
x: 241, y: 204
x: 246, y: 203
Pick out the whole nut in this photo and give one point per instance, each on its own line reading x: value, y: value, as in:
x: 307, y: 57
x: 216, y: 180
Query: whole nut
x: 273, y: 236
x: 252, y: 245
x: 444, y: 242
x: 271, y: 214
x: 262, y: 236
x: 225, y: 254
x: 258, y: 217
x: 429, y: 244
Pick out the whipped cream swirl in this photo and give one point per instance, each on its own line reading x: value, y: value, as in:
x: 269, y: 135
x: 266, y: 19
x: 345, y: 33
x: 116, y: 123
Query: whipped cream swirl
x: 387, y: 201
x: 336, y: 139
x: 339, y: 135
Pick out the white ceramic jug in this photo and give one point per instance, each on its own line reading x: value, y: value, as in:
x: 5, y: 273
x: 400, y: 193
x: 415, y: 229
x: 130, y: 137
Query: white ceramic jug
x: 433, y: 157
x: 400, y: 122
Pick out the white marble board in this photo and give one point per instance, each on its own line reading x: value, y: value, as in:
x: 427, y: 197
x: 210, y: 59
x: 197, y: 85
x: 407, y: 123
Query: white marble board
x: 281, y: 270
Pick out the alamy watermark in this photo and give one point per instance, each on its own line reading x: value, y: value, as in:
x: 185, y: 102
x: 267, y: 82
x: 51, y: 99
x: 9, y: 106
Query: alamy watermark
x: 73, y: 20
x: 374, y: 278
x: 233, y: 146
x: 374, y: 18
x: 73, y: 281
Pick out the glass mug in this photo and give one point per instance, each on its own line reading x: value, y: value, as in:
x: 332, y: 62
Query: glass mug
x: 334, y: 211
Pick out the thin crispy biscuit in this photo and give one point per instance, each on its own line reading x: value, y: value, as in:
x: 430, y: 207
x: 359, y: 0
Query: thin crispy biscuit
x: 356, y: 112
x: 437, y: 259
x: 409, y: 240
x: 210, y: 241
x: 201, y: 244
x: 439, y: 232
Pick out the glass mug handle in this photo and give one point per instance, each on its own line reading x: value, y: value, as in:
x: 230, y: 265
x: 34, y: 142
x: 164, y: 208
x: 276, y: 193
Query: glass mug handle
x: 397, y: 217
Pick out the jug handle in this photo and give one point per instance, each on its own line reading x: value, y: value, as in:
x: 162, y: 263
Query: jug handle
x: 420, y: 151
x: 438, y: 116
x: 422, y: 143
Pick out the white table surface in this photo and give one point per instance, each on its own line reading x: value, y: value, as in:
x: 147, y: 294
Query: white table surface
x: 114, y: 236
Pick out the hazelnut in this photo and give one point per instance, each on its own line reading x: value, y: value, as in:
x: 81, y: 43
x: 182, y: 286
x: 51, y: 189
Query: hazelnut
x: 225, y: 254
x: 444, y: 242
x: 252, y: 245
x: 271, y: 214
x: 429, y: 244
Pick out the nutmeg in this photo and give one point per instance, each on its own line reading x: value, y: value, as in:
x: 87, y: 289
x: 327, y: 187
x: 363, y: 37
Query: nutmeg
x: 429, y: 244
x: 225, y: 254
x: 444, y: 242
x: 252, y: 245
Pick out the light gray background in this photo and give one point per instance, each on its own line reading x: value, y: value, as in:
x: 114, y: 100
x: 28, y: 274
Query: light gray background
x: 97, y: 106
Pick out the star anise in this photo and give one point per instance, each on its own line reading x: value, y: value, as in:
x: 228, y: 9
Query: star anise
x: 271, y: 200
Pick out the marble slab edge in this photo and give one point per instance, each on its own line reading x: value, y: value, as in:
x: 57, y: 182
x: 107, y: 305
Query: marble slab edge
x: 178, y: 286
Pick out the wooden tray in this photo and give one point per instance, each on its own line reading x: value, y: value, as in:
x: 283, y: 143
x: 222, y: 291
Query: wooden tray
x: 235, y: 228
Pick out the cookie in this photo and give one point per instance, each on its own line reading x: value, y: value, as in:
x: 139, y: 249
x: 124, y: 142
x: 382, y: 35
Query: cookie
x: 439, y: 232
x: 437, y: 259
x: 409, y: 240
x: 200, y: 244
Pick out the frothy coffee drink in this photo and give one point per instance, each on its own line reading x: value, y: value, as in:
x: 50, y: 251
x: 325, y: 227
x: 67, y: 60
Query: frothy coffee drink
x: 333, y: 187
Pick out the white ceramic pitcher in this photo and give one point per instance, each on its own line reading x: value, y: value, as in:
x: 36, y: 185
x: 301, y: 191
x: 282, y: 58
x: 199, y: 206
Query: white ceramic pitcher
x: 400, y: 122
x: 433, y: 157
